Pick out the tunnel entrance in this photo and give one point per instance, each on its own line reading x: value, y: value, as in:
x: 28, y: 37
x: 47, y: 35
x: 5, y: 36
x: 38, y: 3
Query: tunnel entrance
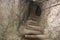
x: 34, y: 9
x: 38, y: 11
x: 32, y: 23
x: 34, y: 12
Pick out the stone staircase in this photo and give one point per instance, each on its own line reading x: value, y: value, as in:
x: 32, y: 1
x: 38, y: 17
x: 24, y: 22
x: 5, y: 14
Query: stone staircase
x: 32, y: 27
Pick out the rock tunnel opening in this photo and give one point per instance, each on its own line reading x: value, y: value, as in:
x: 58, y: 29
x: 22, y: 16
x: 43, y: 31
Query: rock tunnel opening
x: 38, y: 11
x: 34, y: 9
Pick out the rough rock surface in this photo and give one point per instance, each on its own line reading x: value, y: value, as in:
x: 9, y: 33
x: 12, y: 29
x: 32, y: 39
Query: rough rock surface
x: 11, y: 15
x: 14, y: 12
x: 50, y: 18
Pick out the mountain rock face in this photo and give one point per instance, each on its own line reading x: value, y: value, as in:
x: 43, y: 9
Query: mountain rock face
x: 9, y: 12
x: 50, y: 18
x: 13, y: 13
x: 11, y: 16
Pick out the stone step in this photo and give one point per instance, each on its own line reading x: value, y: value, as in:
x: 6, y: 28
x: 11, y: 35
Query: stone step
x: 37, y: 36
x: 33, y: 24
x: 30, y: 28
x: 36, y: 16
x: 28, y: 31
x: 38, y: 28
x: 33, y: 18
x: 31, y: 21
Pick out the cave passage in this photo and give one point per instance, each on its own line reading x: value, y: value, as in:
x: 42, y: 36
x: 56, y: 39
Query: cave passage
x: 34, y: 12
x: 34, y: 9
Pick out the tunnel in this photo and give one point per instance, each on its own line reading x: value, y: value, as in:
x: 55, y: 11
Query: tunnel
x: 34, y: 10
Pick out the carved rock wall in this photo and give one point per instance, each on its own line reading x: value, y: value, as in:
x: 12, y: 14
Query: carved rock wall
x: 11, y: 16
x: 50, y: 18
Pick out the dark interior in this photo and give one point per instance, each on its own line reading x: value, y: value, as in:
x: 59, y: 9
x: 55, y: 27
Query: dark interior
x: 34, y: 7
